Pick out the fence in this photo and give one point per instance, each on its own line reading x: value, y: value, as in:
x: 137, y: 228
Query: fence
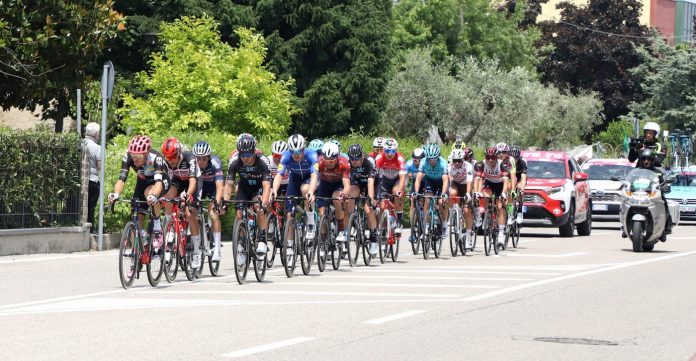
x: 39, y: 179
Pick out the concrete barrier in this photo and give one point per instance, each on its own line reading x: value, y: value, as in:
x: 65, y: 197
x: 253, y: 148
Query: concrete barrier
x: 44, y: 240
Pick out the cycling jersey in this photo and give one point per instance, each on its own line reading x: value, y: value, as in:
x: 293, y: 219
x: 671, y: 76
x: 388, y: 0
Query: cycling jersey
x: 213, y: 171
x: 435, y: 172
x: 390, y: 168
x: 153, y: 170
x: 493, y: 174
x: 461, y: 175
x: 411, y: 168
x: 340, y: 170
x: 250, y: 176
x: 186, y: 169
x: 274, y: 171
x: 521, y: 167
x: 303, y: 169
x: 360, y: 175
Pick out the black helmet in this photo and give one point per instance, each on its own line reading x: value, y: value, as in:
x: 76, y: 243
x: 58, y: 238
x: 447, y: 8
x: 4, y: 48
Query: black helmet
x: 246, y: 143
x: 515, y: 151
x: 647, y: 153
x: 355, y: 151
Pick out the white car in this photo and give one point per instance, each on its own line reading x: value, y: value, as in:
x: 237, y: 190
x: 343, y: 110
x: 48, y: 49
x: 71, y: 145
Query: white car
x: 605, y: 192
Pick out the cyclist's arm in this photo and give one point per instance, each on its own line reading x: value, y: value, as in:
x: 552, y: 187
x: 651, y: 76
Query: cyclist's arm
x: 371, y: 188
x: 266, y: 180
x: 118, y: 187
x: 193, y: 176
x: 445, y: 182
x: 231, y: 175
x: 419, y: 179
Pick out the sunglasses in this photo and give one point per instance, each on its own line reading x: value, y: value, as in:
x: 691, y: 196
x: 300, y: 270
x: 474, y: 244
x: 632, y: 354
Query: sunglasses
x: 457, y: 161
x: 246, y: 154
x: 297, y: 152
x: 172, y: 158
x: 138, y: 156
x: 277, y: 156
x: 491, y: 158
x: 390, y: 151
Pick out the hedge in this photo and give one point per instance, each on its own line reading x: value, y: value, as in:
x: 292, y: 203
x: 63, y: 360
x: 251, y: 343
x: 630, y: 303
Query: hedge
x: 40, y: 185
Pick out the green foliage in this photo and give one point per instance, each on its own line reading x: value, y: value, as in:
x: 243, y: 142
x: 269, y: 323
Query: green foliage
x: 41, y: 178
x: 463, y: 28
x: 340, y: 54
x: 48, y: 48
x: 670, y: 84
x: 584, y: 60
x: 484, y: 103
x: 199, y: 82
x: 615, y: 133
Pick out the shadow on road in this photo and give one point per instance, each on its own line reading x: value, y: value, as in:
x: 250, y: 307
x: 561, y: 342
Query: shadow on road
x: 653, y: 251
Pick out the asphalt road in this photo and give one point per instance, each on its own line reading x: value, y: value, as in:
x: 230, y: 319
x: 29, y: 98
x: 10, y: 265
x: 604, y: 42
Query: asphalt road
x: 581, y: 298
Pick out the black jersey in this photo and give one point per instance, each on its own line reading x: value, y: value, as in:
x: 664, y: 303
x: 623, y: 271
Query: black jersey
x: 360, y: 175
x: 186, y: 169
x: 153, y: 170
x: 249, y: 175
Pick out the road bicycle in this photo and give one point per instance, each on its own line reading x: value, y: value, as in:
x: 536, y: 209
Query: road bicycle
x: 177, y: 242
x: 458, y: 227
x: 432, y: 230
x: 207, y: 241
x: 388, y: 231
x: 297, y: 247
x: 245, y: 241
x: 490, y: 226
x: 416, y: 236
x: 356, y: 240
x: 513, y: 230
x: 326, y: 237
x: 274, y: 235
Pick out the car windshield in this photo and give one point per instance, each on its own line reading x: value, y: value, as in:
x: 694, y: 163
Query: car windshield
x: 545, y: 169
x: 685, y: 180
x: 607, y: 171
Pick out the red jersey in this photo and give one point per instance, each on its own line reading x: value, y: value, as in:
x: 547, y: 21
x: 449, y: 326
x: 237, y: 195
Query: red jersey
x: 390, y: 168
x: 340, y: 170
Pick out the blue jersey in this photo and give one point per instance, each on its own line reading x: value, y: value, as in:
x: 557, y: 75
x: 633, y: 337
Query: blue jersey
x: 411, y: 168
x: 213, y: 171
x: 304, y: 168
x: 435, y: 172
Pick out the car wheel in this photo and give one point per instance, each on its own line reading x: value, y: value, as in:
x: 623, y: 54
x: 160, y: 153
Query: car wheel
x: 585, y: 228
x: 568, y: 229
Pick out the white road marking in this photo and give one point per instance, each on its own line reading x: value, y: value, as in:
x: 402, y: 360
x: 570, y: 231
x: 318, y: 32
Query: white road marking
x: 268, y: 347
x: 560, y: 267
x: 573, y: 275
x: 562, y: 255
x: 49, y: 258
x: 603, y: 233
x: 309, y: 293
x: 683, y: 237
x: 427, y: 278
x: 460, y: 272
x: 381, y: 320
x: 374, y: 284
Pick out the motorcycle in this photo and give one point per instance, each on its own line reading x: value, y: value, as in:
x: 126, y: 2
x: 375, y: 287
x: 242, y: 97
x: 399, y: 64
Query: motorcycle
x: 643, y: 213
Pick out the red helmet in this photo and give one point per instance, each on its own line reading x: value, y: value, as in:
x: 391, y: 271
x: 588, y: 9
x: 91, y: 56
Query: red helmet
x: 468, y: 153
x: 140, y: 144
x: 491, y: 152
x: 171, y: 148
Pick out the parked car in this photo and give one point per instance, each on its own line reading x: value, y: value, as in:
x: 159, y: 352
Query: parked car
x: 557, y: 193
x: 684, y: 193
x: 605, y: 192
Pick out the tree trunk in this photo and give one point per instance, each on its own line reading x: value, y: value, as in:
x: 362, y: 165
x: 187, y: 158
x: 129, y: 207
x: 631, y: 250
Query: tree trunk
x: 62, y: 110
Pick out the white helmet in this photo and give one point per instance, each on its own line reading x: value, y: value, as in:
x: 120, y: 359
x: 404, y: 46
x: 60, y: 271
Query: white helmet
x: 457, y: 154
x: 279, y: 146
x: 390, y: 144
x: 378, y: 142
x: 652, y: 126
x: 296, y: 142
x: 330, y: 150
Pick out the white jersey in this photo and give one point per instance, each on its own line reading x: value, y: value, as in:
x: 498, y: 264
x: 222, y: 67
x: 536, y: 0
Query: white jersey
x: 461, y: 175
x: 274, y: 170
x: 494, y: 174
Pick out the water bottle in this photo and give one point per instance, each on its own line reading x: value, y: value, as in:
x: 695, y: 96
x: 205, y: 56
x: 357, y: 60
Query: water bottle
x: 392, y: 221
x: 251, y: 222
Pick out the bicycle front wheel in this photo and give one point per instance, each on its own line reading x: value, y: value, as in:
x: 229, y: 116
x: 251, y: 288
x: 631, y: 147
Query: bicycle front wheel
x: 272, y: 240
x: 323, y: 235
x: 353, y: 240
x: 307, y: 249
x: 128, y: 256
x: 383, y: 229
x: 454, y: 231
x: 416, y: 232
x: 437, y: 238
x: 288, y: 252
x: 156, y: 266
x: 171, y: 244
x: 240, y: 250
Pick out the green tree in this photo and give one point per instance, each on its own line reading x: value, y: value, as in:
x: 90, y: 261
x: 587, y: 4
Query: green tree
x: 465, y: 28
x: 586, y: 57
x: 669, y: 85
x: 47, y: 48
x: 339, y: 53
x: 484, y: 102
x: 198, y: 82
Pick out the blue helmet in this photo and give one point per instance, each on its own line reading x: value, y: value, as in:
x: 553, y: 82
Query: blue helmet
x: 316, y: 145
x: 201, y: 149
x: 431, y: 151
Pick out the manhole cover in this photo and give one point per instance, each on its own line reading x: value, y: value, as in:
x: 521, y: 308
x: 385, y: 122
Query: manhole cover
x: 576, y: 341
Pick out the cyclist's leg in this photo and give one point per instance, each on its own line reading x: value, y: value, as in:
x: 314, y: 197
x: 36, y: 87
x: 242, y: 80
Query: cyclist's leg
x: 261, y: 222
x: 500, y: 209
x: 210, y: 192
x: 398, y: 201
x: 311, y: 217
x: 340, y: 213
x: 293, y: 190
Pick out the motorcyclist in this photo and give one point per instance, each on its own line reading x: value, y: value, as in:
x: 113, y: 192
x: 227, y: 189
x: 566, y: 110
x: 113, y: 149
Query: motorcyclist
x: 649, y: 140
x: 647, y: 160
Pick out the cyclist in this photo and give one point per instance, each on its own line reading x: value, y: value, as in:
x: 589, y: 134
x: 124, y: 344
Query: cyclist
x: 469, y: 156
x: 458, y: 144
x: 334, y: 181
x: 377, y: 147
x: 184, y: 174
x: 431, y: 180
x: 316, y: 145
x: 521, y: 177
x: 340, y: 151
x: 152, y: 181
x: 301, y: 166
x: 650, y: 140
x: 212, y: 180
x: 392, y: 176
x: 493, y: 178
x: 362, y: 179
x: 235, y: 153
x: 461, y: 174
x: 503, y: 151
x: 411, y: 173
x: 254, y: 183
x: 277, y: 149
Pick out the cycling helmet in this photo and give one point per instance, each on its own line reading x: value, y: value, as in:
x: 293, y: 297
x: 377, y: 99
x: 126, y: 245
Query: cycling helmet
x: 391, y: 144
x: 279, y: 146
x: 296, y: 142
x: 458, y: 144
x: 432, y: 151
x: 140, y: 144
x: 652, y: 126
x: 502, y: 147
x: 378, y: 142
x: 316, y: 144
x: 243, y: 135
x: 201, y: 149
x: 246, y: 144
x: 647, y: 153
x: 515, y: 151
x: 330, y: 150
x: 334, y: 141
x: 418, y: 153
x: 355, y: 151
x: 171, y: 148
x: 468, y: 153
x: 457, y: 154
x: 491, y: 152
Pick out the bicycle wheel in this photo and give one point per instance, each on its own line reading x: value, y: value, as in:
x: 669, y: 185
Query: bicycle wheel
x: 201, y: 248
x: 383, y: 229
x: 155, y: 267
x: 486, y: 233
x: 260, y: 262
x: 307, y: 250
x: 214, y: 266
x: 272, y: 239
x: 128, y: 256
x: 516, y: 234
x: 171, y: 260
x: 416, y: 232
x: 337, y: 250
x: 353, y: 240
x: 437, y: 238
x: 288, y: 253
x: 240, y: 250
x: 323, y: 235
x: 365, y: 244
x: 394, y: 248
x: 187, y: 260
x: 427, y: 241
x: 455, y: 227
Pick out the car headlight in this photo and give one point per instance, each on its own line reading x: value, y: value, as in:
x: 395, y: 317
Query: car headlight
x: 555, y: 190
